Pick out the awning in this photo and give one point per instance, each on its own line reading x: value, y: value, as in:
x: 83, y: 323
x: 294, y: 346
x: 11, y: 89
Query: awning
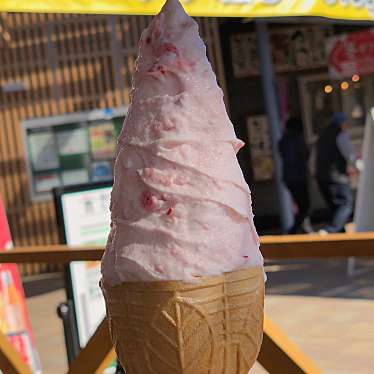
x: 336, y: 9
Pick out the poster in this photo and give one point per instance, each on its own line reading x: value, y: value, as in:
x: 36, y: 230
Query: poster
x: 43, y: 151
x: 14, y: 320
x: 73, y: 141
x: 74, y: 176
x: 45, y: 182
x: 260, y: 148
x: 86, y: 218
x: 296, y: 48
x: 103, y: 140
x: 244, y: 54
x: 101, y: 171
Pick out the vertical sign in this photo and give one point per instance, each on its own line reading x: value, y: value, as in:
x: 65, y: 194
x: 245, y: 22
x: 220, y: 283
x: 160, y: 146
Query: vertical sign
x: 14, y: 320
x: 260, y: 147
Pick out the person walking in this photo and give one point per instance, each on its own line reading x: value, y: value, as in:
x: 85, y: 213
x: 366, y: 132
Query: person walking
x: 334, y: 152
x: 294, y: 153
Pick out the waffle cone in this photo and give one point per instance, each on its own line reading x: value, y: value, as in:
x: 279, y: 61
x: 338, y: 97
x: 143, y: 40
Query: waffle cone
x: 214, y: 326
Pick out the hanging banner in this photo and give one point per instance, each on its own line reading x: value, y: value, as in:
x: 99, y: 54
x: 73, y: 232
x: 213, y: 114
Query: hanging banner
x: 336, y: 9
x: 351, y: 54
x: 14, y: 320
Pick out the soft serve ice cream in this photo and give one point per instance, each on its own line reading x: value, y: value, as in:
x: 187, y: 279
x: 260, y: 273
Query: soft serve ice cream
x: 181, y: 208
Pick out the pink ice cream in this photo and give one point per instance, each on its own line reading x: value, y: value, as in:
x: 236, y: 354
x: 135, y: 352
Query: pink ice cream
x: 181, y: 208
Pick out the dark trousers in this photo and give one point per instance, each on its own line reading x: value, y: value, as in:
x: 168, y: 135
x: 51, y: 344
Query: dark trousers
x: 300, y: 194
x: 339, y: 199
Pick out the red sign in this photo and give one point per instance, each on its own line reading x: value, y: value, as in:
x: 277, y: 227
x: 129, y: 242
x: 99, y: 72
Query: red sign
x: 351, y: 54
x: 14, y: 320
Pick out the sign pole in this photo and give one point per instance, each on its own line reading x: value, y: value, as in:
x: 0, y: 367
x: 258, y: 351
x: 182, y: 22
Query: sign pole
x: 272, y: 111
x: 66, y: 312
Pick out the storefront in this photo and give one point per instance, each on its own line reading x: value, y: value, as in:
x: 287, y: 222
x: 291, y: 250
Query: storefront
x: 307, y: 87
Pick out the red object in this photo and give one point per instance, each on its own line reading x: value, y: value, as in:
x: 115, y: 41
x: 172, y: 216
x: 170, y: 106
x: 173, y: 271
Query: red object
x: 14, y: 319
x: 351, y: 54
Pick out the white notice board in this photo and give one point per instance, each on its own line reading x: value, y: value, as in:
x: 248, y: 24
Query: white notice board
x: 85, y: 215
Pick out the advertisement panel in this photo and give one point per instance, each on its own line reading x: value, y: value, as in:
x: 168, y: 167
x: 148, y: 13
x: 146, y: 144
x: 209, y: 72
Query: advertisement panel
x: 260, y: 146
x: 14, y: 319
x: 351, y: 54
x: 337, y: 9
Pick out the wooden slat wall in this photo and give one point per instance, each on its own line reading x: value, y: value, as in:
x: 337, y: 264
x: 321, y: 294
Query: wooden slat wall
x: 69, y: 63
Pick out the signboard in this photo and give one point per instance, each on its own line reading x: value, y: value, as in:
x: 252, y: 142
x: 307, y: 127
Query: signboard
x: 292, y: 48
x: 14, y: 320
x: 351, y: 54
x: 260, y: 147
x: 71, y: 149
x: 84, y: 218
x: 337, y: 9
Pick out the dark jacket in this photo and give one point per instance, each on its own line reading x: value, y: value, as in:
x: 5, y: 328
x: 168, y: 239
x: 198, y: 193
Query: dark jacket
x: 294, y: 153
x: 331, y: 166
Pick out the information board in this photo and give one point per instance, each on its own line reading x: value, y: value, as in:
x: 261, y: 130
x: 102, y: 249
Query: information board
x: 84, y: 219
x: 75, y: 148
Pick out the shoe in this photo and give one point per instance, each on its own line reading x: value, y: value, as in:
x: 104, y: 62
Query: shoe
x: 307, y: 227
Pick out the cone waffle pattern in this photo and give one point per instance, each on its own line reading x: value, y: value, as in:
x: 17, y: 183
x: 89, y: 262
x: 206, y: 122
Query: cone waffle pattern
x: 214, y: 327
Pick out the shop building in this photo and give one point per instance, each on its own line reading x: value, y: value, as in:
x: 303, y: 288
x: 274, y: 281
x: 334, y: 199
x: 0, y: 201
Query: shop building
x: 56, y: 66
x: 304, y: 56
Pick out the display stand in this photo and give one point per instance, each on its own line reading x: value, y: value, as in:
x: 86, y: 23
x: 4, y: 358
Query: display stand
x: 83, y: 218
x: 66, y: 313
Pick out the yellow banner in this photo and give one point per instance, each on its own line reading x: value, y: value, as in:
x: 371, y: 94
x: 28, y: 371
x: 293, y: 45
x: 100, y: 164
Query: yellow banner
x: 337, y: 9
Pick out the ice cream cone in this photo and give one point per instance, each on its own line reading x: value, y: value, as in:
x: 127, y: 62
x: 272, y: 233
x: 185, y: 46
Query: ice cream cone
x: 171, y: 327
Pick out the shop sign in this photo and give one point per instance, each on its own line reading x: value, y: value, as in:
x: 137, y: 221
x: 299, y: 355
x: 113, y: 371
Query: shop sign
x: 14, y: 320
x: 351, y: 54
x: 336, y: 9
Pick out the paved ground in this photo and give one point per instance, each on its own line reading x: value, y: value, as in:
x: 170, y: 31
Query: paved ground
x: 48, y: 332
x: 329, y: 315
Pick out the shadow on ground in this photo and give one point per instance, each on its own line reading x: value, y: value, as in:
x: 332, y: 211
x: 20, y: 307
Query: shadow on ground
x: 322, y: 278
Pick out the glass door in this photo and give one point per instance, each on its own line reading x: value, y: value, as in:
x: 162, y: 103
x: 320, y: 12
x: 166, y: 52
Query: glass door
x: 321, y: 97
